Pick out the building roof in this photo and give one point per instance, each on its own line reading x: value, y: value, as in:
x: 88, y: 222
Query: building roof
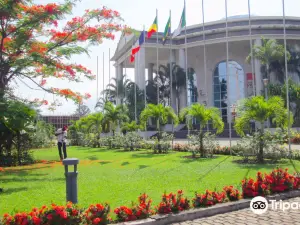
x: 237, y: 25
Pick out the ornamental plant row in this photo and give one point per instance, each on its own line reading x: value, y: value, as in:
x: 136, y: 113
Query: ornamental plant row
x: 277, y: 181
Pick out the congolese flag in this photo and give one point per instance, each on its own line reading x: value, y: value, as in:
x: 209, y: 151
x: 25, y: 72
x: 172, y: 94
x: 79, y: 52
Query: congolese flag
x: 153, y: 28
x: 167, y: 31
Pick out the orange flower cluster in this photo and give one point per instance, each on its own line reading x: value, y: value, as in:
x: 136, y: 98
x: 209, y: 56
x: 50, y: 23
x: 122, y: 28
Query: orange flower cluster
x: 50, y: 8
x: 171, y: 203
x: 1, y: 169
x: 136, y: 212
x: 232, y: 193
x: 70, y: 94
x: 40, y: 48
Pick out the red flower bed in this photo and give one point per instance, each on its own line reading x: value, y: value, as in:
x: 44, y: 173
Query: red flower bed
x: 208, y: 199
x: 171, y: 203
x: 136, y: 212
x: 278, y: 180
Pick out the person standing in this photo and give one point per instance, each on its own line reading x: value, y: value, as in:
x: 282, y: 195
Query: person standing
x: 61, y: 134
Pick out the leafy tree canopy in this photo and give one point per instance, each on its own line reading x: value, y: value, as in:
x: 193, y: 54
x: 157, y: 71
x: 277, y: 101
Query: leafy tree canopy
x: 34, y: 48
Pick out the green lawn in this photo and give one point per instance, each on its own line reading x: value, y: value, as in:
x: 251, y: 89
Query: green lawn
x: 119, y: 177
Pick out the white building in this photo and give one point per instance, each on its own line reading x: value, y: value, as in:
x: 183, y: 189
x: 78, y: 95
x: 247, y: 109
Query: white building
x: 210, y: 71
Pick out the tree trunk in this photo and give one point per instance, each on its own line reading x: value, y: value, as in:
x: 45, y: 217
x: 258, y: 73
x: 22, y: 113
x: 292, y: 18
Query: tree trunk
x: 260, y: 156
x: 202, y: 153
x: 19, y: 148
x: 158, y: 136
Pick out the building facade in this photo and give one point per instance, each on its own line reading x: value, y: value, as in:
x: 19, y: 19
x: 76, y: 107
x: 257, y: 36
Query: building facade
x: 215, y: 55
x: 59, y: 121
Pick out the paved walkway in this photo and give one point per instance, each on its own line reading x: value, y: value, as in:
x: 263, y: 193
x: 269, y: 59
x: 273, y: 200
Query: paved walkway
x: 225, y: 142
x: 247, y: 217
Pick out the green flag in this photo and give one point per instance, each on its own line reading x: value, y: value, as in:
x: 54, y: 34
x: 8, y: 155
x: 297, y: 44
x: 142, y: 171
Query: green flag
x: 167, y: 31
x: 181, y: 25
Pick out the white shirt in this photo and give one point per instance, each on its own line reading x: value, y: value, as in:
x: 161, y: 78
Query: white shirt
x: 61, y: 135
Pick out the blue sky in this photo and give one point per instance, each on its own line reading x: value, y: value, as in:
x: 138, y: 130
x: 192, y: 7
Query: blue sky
x: 137, y: 13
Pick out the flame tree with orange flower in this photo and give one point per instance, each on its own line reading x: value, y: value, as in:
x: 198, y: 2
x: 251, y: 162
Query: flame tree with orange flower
x: 33, y: 48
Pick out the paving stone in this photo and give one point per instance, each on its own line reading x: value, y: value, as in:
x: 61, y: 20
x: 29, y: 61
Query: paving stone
x: 246, y: 216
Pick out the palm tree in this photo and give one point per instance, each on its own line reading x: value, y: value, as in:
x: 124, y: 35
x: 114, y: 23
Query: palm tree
x: 118, y: 89
x: 258, y: 109
x: 161, y: 114
x: 130, y: 127
x: 94, y: 124
x: 114, y: 115
x: 203, y: 115
x: 164, y: 82
x: 269, y: 53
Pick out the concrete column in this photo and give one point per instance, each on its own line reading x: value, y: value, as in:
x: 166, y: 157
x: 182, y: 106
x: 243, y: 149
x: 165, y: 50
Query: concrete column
x: 139, y: 69
x: 258, y: 76
x: 174, y: 101
x: 150, y: 71
x: 183, y: 92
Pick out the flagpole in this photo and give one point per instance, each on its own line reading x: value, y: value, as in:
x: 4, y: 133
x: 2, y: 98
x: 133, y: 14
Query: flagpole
x: 109, y: 68
x: 228, y: 78
x: 251, y: 46
x: 103, y: 76
x: 157, y: 88
x: 287, y: 81
x: 204, y: 58
x: 186, y: 69
x: 171, y: 76
x: 145, y: 90
x: 125, y: 65
x: 97, y: 82
x: 135, y: 81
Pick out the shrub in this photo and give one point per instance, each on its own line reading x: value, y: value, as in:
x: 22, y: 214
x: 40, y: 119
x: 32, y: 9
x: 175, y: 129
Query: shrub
x: 131, y: 141
x: 208, y: 141
x: 171, y: 203
x: 164, y: 145
x: 136, y: 212
x: 221, y: 150
x: 181, y: 147
x: 208, y: 199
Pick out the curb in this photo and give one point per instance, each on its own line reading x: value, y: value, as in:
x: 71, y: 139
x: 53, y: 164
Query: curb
x: 206, y: 212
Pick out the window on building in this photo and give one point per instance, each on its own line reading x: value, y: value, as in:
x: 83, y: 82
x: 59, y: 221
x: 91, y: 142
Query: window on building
x: 192, y: 86
x: 232, y: 84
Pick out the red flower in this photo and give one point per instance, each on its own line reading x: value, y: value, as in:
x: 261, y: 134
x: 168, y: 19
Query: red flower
x: 96, y: 221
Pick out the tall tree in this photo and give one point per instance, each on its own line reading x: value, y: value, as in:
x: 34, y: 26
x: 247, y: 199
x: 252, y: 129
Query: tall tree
x: 94, y: 124
x: 118, y: 89
x: 258, y: 109
x: 115, y: 115
x: 203, y: 115
x: 33, y: 48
